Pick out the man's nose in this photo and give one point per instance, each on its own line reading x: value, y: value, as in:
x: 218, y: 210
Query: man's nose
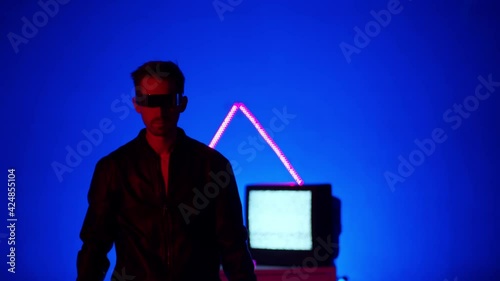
x: 164, y: 111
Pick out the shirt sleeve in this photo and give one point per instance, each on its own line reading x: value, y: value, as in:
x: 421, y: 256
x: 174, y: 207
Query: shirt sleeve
x: 98, y: 229
x: 231, y: 233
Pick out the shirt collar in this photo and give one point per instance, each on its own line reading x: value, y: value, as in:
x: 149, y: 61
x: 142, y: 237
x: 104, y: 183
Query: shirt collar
x: 181, y: 136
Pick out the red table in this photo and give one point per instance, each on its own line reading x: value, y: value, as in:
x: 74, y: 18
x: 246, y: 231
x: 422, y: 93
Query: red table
x: 275, y: 273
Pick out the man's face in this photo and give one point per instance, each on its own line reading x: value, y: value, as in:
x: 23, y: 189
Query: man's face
x: 159, y: 121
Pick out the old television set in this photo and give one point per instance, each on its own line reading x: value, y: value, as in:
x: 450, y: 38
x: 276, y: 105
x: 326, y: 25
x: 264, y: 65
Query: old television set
x: 288, y: 224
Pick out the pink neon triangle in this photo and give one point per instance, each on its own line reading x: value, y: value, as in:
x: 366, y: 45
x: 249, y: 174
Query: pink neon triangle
x: 222, y: 128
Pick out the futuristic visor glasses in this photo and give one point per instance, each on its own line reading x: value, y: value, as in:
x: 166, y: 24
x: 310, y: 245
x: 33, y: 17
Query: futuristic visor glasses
x: 158, y: 100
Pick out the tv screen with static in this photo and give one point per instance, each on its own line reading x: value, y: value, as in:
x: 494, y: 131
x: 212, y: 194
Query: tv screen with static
x: 287, y: 223
x: 281, y: 219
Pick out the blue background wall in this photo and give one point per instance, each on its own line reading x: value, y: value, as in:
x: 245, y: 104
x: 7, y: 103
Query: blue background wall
x: 351, y: 118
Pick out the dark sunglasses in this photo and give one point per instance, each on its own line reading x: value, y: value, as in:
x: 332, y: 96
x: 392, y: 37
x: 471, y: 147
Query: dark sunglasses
x: 156, y: 100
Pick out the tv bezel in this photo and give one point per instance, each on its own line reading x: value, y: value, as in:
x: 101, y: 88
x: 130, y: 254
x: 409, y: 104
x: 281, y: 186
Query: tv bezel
x: 321, y: 227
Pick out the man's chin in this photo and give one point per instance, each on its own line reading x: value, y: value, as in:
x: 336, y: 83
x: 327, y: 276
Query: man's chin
x: 160, y: 131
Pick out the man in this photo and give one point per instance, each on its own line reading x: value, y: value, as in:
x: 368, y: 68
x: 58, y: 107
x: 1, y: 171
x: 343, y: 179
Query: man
x: 168, y: 202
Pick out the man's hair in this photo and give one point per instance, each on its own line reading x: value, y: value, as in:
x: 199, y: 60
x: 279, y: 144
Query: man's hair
x: 163, y: 70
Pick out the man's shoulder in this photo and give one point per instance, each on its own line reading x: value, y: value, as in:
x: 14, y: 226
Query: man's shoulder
x: 121, y: 152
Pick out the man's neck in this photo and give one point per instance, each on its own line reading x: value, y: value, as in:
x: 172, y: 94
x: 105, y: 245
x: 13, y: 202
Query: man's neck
x: 163, y: 143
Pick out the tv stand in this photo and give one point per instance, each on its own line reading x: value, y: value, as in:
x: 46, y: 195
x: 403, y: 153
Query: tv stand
x: 281, y: 273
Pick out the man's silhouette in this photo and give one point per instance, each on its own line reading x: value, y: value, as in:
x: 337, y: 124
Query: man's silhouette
x: 169, y: 203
